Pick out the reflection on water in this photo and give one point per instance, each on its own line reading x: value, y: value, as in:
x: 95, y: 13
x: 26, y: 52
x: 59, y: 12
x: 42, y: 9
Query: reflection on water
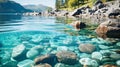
x: 22, y: 23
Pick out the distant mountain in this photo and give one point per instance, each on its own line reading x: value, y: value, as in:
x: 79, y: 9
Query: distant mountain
x: 11, y: 7
x: 37, y: 8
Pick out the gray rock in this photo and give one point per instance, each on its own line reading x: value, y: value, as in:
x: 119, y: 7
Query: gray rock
x: 87, y: 48
x: 115, y: 56
x: 60, y: 48
x: 118, y: 44
x: 89, y: 62
x: 103, y: 47
x: 85, y: 55
x: 97, y: 55
x: 31, y: 54
x: 19, y: 52
x: 26, y: 63
x: 67, y: 57
x: 10, y: 64
x: 118, y: 62
x: 65, y: 65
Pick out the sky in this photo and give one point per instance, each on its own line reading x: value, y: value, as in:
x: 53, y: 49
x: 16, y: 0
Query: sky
x: 50, y: 3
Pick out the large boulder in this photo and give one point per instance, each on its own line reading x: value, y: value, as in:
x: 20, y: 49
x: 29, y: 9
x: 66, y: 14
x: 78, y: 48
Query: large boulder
x: 109, y: 29
x: 26, y: 63
x: 78, y: 25
x: 49, y: 58
x: 87, y: 48
x: 99, y: 4
x: 19, y: 53
x: 34, y: 52
x: 67, y: 57
x: 115, y: 14
x: 76, y: 12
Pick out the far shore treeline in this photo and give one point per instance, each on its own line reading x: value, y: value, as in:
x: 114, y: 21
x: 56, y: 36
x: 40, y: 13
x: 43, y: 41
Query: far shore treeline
x: 73, y: 4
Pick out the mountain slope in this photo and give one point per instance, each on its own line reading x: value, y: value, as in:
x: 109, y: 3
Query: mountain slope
x: 12, y: 7
x: 37, y: 8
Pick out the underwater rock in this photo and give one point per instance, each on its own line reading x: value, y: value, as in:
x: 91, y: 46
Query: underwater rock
x: 118, y: 62
x: 53, y: 51
x: 43, y: 65
x: 26, y: 63
x: 60, y: 48
x: 72, y: 48
x: 78, y: 25
x: 5, y: 57
x: 117, y: 51
x: 105, y: 51
x: 67, y: 57
x: 49, y: 58
x: 97, y: 55
x: 115, y: 56
x: 108, y: 29
x: 19, y: 52
x: 25, y: 38
x: 35, y: 51
x: 103, y: 47
x: 109, y: 65
x: 31, y: 54
x: 87, y: 48
x: 86, y: 62
x: 38, y: 48
x: 10, y: 64
x: 107, y: 59
x: 118, y: 44
x: 36, y: 39
x: 115, y: 14
x: 84, y: 55
x: 65, y: 65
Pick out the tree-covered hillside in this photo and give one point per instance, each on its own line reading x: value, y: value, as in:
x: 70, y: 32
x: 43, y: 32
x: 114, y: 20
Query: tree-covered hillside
x: 72, y: 4
x: 7, y: 6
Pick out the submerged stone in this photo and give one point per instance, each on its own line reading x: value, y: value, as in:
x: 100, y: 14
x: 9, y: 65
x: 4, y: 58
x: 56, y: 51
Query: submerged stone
x: 110, y: 65
x: 97, y: 55
x: 115, y: 56
x: 25, y: 38
x: 60, y: 48
x: 118, y: 62
x: 49, y: 58
x: 88, y: 62
x: 31, y: 54
x: 26, y: 63
x: 87, y: 48
x: 118, y: 44
x: 65, y: 65
x: 103, y: 47
x: 43, y: 65
x: 10, y: 64
x: 67, y: 57
x: 85, y: 55
x: 5, y: 57
x: 19, y: 52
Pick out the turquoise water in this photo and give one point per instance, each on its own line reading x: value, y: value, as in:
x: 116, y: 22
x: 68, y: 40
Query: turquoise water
x: 49, y: 32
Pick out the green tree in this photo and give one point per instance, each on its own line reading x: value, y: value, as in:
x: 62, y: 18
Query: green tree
x: 72, y: 3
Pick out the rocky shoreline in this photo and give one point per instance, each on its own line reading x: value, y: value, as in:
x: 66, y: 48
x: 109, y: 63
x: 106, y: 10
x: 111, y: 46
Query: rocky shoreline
x: 107, y: 15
